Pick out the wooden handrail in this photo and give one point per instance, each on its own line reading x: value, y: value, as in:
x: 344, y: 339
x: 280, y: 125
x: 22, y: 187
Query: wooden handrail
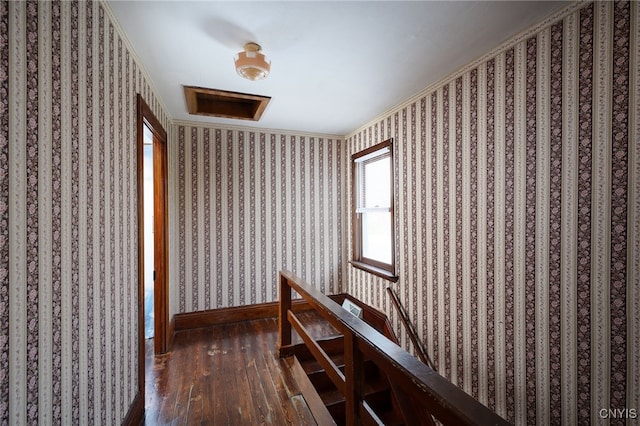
x: 422, y: 354
x: 429, y: 393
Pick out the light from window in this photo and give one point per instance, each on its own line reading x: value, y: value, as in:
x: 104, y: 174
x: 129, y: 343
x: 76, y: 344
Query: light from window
x: 376, y: 236
x: 373, y: 208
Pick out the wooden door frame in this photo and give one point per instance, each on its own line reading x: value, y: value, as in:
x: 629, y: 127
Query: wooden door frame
x: 162, y: 326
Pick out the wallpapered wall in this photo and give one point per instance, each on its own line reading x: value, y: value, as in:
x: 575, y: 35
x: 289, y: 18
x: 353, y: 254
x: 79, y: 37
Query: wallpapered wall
x: 68, y: 232
x: 248, y: 203
x: 517, y: 196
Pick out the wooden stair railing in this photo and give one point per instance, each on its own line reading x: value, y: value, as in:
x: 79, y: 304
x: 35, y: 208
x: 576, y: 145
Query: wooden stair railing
x: 417, y: 344
x: 426, y: 393
x: 315, y: 383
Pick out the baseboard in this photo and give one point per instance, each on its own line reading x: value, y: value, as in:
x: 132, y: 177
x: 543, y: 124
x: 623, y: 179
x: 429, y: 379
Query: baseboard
x: 191, y: 320
x: 135, y: 415
x: 172, y: 331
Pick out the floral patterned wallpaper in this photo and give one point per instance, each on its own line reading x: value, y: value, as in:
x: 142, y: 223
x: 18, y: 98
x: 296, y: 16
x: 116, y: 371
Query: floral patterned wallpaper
x: 250, y: 203
x: 517, y: 196
x: 68, y: 222
x: 517, y: 206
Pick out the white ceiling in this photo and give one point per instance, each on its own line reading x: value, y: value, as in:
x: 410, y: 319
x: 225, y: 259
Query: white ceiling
x: 335, y: 64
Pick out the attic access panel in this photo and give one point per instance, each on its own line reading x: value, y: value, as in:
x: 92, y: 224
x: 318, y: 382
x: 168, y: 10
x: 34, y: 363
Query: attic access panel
x: 221, y: 103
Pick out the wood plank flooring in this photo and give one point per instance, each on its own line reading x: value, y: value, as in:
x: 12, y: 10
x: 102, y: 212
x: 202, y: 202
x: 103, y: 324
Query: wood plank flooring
x: 225, y: 375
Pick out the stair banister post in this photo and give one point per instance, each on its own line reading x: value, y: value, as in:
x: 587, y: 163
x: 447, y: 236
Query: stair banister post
x: 284, y: 327
x: 354, y: 376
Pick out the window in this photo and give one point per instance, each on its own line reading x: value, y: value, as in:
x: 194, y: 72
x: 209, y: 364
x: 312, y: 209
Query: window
x: 373, y: 210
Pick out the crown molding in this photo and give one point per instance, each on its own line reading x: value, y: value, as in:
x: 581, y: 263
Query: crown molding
x: 523, y: 35
x: 233, y: 127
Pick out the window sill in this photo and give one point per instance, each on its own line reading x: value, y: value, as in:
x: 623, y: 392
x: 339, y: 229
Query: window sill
x: 382, y: 273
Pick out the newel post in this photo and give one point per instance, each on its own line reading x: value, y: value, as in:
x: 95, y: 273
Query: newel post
x: 284, y: 327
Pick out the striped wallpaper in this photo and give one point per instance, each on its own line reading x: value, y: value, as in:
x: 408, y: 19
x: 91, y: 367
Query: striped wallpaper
x: 68, y: 221
x: 517, y: 219
x: 517, y: 200
x: 248, y: 203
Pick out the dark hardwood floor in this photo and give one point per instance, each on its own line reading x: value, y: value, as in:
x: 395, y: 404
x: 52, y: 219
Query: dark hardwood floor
x: 226, y: 375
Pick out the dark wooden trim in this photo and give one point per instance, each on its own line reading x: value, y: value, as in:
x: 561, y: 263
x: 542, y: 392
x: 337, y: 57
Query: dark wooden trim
x: 191, y: 320
x: 144, y: 114
x: 382, y: 273
x: 162, y: 327
x: 150, y: 118
x: 431, y: 394
x: 140, y: 188
x: 383, y: 270
x: 162, y: 335
x: 406, y: 407
x: 135, y: 415
x: 371, y: 149
x: 172, y: 330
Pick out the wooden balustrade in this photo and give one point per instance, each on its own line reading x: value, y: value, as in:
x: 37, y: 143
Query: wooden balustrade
x: 421, y: 391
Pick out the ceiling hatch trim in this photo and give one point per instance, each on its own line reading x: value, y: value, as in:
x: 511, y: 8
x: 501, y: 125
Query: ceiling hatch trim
x: 225, y: 104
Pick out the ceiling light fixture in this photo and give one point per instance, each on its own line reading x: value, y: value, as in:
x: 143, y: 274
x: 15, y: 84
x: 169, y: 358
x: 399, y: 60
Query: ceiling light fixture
x: 251, y: 64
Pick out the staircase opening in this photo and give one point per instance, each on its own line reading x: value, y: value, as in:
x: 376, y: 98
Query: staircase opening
x: 368, y: 378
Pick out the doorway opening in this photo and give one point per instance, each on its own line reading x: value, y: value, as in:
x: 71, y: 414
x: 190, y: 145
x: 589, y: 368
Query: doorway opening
x: 153, y: 244
x: 153, y: 254
x: 149, y: 269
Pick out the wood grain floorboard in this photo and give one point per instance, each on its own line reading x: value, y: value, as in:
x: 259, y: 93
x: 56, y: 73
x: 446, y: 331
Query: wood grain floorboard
x: 226, y: 375
x: 281, y: 385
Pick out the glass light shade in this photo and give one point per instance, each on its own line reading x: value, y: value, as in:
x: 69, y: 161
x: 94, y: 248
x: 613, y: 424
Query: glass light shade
x: 251, y: 64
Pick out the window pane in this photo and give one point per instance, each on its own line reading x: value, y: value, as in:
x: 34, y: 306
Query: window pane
x: 377, y: 188
x: 376, y: 236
